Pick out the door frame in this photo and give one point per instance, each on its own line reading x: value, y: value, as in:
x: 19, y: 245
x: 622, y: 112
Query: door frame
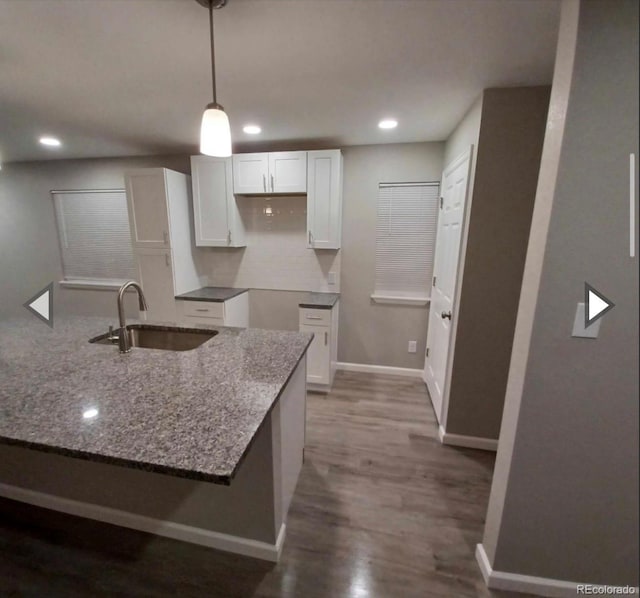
x: 467, y: 154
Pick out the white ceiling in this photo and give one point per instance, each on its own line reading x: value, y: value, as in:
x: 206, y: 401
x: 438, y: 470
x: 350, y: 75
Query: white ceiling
x: 132, y: 77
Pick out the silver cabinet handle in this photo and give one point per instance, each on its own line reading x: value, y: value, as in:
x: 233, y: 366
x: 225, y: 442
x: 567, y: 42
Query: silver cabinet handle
x: 445, y: 315
x: 272, y: 185
x: 264, y: 182
x: 229, y: 237
x: 166, y: 260
x: 326, y: 338
x: 310, y: 238
x: 165, y: 237
x: 204, y: 310
x: 314, y: 317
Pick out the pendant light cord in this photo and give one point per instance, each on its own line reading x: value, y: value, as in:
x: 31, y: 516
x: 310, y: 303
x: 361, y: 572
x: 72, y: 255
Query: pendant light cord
x: 213, y: 54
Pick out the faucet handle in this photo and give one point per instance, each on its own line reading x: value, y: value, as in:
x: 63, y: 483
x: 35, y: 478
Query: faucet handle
x: 113, y: 337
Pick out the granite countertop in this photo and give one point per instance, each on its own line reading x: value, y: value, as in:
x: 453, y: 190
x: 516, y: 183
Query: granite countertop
x: 218, y: 294
x: 320, y: 300
x: 190, y: 413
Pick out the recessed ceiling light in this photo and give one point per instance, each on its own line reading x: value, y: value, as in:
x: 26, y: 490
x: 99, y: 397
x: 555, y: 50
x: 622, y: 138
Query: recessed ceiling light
x: 50, y: 141
x: 252, y: 129
x: 388, y: 123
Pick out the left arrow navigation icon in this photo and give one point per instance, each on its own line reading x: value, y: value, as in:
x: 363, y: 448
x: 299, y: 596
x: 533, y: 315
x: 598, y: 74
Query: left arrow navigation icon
x: 41, y: 304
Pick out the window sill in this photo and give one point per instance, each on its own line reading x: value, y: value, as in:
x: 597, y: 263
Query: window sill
x: 93, y: 285
x: 389, y: 299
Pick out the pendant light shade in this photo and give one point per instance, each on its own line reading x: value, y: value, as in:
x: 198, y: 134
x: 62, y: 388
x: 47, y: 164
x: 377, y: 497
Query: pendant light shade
x: 215, y: 132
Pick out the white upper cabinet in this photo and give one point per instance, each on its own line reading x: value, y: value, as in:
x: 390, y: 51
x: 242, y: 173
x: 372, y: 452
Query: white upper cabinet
x: 288, y: 172
x: 250, y: 173
x: 217, y: 221
x: 324, y: 199
x: 147, y: 203
x: 274, y: 172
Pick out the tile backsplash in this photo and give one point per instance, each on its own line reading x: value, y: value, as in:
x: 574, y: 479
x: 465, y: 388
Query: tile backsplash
x: 276, y: 256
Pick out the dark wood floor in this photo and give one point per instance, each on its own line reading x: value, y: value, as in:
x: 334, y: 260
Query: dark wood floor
x: 381, y: 509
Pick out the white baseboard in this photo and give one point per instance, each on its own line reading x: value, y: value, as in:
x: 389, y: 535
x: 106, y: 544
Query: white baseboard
x: 514, y: 582
x: 321, y: 388
x: 476, y: 442
x: 379, y: 369
x: 168, y: 529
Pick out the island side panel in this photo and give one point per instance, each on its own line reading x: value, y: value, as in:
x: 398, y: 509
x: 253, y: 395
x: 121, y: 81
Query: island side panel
x: 245, y: 509
x: 236, y: 311
x: 288, y: 420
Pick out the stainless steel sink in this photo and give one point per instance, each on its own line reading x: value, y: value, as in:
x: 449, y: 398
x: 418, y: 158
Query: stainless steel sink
x: 147, y: 336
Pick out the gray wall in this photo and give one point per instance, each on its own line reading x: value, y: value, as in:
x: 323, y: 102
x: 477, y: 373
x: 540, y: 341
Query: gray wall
x: 506, y: 174
x: 465, y: 134
x: 564, y: 503
x: 372, y: 333
x: 29, y: 249
x: 369, y: 333
x: 274, y: 310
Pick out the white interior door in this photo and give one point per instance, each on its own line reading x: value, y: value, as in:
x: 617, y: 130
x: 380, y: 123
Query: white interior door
x: 455, y: 182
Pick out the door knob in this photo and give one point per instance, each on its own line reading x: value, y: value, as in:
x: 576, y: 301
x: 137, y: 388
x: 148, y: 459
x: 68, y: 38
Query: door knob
x: 445, y: 315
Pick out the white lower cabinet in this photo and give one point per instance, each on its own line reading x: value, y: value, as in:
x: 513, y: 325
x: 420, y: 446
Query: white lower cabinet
x: 322, y: 353
x: 318, y: 355
x: 155, y: 274
x: 232, y: 312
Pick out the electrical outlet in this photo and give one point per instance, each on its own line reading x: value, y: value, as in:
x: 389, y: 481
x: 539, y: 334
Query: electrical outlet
x: 332, y: 278
x: 412, y: 347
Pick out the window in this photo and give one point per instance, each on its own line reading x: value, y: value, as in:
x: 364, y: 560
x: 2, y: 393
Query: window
x: 405, y: 242
x: 93, y: 227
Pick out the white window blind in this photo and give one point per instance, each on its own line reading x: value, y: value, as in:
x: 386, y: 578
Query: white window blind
x: 405, y: 241
x: 93, y: 226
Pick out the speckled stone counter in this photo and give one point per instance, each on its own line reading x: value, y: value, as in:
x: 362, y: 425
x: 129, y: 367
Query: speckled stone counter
x: 217, y: 294
x: 192, y: 414
x: 320, y: 300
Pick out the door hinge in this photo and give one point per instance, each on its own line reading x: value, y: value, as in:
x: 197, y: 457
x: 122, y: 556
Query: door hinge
x: 434, y: 281
x: 441, y: 203
x: 427, y: 351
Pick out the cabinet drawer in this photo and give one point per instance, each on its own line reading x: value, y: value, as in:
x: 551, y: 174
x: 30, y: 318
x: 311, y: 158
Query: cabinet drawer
x: 203, y: 309
x: 196, y: 321
x: 315, y: 317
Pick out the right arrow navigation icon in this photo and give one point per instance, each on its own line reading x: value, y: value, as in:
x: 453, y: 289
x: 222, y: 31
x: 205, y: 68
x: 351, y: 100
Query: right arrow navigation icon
x: 596, y: 305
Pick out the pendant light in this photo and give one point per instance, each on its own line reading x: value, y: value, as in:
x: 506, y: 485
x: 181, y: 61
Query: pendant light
x: 215, y: 133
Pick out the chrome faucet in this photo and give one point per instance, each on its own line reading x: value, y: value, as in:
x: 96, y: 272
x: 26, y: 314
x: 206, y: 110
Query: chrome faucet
x: 123, y: 337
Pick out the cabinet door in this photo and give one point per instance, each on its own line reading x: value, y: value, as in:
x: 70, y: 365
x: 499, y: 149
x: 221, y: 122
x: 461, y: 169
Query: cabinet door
x: 215, y: 213
x: 155, y: 274
x: 287, y: 172
x: 324, y: 199
x: 318, y: 355
x: 250, y: 173
x: 147, y: 205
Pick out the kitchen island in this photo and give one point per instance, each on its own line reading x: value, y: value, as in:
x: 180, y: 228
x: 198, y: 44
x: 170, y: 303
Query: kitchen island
x: 202, y: 445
